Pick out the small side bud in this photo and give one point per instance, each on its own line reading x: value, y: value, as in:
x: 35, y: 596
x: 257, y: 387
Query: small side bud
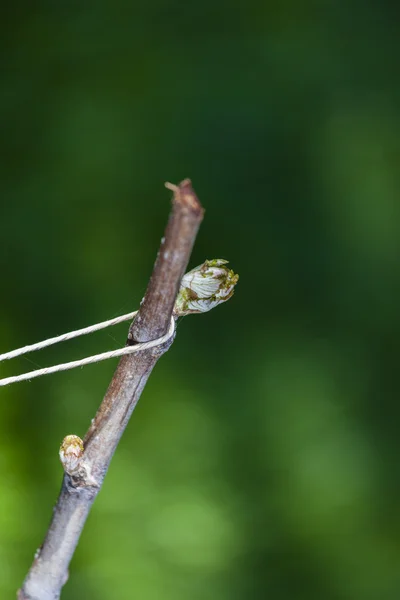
x: 71, y: 452
x: 205, y: 287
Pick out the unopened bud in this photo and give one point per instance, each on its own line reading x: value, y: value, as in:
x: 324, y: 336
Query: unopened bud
x: 205, y: 287
x: 71, y: 452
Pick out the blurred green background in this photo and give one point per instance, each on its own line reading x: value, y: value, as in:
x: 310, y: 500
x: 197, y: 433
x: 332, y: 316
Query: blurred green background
x: 262, y: 460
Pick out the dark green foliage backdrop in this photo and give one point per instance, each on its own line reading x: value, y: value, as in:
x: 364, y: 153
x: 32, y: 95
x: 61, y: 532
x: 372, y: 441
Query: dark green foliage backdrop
x: 262, y: 460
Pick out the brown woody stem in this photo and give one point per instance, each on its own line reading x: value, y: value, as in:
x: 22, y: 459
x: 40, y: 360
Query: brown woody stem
x: 49, y: 570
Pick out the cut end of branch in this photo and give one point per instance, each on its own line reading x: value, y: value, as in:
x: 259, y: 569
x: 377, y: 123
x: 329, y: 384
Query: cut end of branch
x: 185, y: 195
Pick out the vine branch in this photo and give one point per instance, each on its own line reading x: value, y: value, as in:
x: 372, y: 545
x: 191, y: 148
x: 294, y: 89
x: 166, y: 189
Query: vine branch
x: 49, y: 571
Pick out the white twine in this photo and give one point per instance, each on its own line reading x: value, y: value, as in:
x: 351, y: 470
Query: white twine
x: 66, y: 336
x: 84, y: 361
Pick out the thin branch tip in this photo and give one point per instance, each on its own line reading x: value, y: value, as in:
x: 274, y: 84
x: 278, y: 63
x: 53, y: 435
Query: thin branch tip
x: 172, y: 187
x: 186, y: 196
x: 177, y: 188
